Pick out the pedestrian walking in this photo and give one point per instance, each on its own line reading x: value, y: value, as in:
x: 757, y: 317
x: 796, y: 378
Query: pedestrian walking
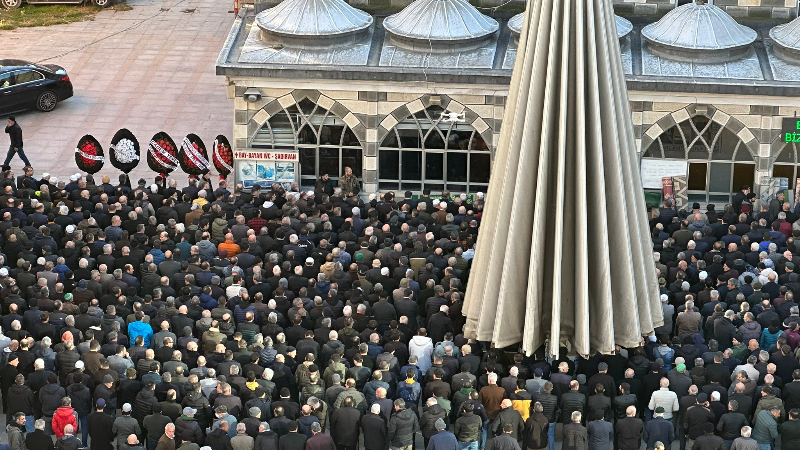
x: 15, y: 134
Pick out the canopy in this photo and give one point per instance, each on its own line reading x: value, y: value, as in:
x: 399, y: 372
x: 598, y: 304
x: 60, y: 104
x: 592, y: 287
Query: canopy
x: 564, y: 251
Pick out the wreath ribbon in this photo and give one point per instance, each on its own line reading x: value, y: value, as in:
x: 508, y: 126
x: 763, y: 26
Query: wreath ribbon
x: 88, y: 156
x: 156, y: 150
x: 194, y: 156
x: 219, y: 158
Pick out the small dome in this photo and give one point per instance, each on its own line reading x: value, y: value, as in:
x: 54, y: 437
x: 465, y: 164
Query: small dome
x: 440, y: 21
x: 515, y: 23
x: 313, y: 18
x: 624, y: 26
x: 698, y: 28
x: 787, y: 37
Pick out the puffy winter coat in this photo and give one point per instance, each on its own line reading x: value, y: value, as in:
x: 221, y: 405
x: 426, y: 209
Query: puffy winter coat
x: 81, y: 399
x: 218, y: 227
x: 402, y: 427
x: 428, y: 420
x: 64, y: 416
x: 188, y: 430
x: 143, y: 406
x: 468, y: 427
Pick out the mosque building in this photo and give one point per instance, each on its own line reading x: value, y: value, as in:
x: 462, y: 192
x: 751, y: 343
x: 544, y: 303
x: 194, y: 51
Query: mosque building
x: 411, y: 94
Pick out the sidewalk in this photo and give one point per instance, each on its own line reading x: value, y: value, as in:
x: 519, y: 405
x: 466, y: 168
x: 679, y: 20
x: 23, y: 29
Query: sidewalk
x: 158, y: 76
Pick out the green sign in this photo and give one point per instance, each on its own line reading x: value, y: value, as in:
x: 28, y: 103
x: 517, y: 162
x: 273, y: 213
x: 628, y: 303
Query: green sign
x: 791, y: 129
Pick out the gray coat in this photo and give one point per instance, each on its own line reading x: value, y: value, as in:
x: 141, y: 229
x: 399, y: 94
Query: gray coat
x: 16, y: 437
x: 123, y: 427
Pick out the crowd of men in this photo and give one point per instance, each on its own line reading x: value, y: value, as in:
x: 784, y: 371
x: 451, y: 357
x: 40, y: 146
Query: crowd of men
x: 162, y: 318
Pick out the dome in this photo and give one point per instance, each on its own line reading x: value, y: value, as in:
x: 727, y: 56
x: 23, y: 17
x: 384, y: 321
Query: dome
x: 313, y: 18
x: 624, y: 26
x: 699, y: 29
x: 440, y: 22
x: 515, y: 23
x: 787, y: 37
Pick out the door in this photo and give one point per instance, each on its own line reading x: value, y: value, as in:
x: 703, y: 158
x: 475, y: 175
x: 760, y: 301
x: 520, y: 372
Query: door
x: 28, y: 84
x: 8, y: 100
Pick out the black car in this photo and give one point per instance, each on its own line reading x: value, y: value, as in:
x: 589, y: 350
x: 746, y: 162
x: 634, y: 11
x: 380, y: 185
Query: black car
x: 25, y: 85
x: 14, y: 4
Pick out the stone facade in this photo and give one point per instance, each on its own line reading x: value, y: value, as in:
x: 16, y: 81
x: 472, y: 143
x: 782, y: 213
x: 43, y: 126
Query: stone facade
x: 370, y: 114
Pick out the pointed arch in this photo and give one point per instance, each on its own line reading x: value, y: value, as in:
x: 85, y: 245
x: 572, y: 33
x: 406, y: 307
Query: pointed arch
x: 279, y: 104
x: 471, y: 118
x: 713, y: 115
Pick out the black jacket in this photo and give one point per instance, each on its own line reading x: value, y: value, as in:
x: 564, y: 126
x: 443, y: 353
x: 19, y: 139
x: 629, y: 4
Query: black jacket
x: 468, y: 427
x: 730, y: 425
x: 292, y: 441
x: 143, y: 406
x: 402, y: 427
x: 219, y: 440
x: 188, y: 430
x: 508, y: 415
x: 345, y: 425
x: 570, y: 402
x: 267, y: 440
x: 536, y: 431
x: 629, y: 433
x: 427, y: 421
x: 374, y: 428
x: 549, y: 404
x: 68, y: 442
x: 15, y: 133
x: 20, y: 399
x: 100, y: 432
x: 81, y: 399
x: 710, y: 442
x: 39, y: 440
x: 790, y: 434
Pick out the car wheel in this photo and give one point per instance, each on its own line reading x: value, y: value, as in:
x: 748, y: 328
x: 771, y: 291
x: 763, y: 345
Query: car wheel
x: 11, y: 4
x: 47, y: 101
x: 100, y: 3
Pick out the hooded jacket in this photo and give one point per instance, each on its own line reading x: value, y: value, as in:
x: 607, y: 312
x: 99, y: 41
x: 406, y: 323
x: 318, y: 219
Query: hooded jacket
x: 207, y: 250
x: 64, y: 416
x: 16, y: 436
x: 50, y: 397
x: 422, y: 348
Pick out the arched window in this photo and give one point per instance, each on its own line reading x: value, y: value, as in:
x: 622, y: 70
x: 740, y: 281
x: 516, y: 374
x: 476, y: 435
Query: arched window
x: 719, y: 162
x: 786, y: 164
x: 425, y: 151
x: 325, y: 143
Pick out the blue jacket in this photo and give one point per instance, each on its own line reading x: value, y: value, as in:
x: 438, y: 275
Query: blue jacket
x: 443, y: 440
x: 139, y: 328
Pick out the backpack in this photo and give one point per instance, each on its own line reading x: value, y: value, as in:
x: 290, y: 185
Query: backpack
x: 406, y: 392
